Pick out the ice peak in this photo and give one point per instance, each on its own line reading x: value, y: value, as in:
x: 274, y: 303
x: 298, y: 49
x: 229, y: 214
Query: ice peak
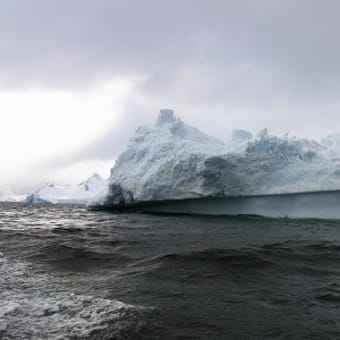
x: 93, y: 180
x: 166, y: 116
x: 263, y: 134
x: 96, y: 176
x: 239, y: 140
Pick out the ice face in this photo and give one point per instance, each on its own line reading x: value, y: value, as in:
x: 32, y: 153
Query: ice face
x: 263, y: 134
x: 239, y: 140
x: 173, y: 161
x: 302, y: 205
x: 166, y: 116
x: 332, y: 144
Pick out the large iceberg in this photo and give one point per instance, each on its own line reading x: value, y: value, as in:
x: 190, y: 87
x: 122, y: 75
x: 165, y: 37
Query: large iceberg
x: 173, y: 161
x: 52, y: 193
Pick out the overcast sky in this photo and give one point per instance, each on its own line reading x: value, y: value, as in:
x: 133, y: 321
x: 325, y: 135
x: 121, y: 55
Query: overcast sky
x: 77, y: 77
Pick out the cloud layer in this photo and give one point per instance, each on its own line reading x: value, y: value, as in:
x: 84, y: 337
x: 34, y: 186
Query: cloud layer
x: 220, y: 64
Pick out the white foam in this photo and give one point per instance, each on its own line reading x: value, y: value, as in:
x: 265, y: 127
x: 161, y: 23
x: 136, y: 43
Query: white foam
x: 35, y: 305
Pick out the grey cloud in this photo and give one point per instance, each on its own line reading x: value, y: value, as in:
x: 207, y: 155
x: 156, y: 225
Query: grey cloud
x: 279, y: 59
x: 114, y: 141
x: 64, y: 42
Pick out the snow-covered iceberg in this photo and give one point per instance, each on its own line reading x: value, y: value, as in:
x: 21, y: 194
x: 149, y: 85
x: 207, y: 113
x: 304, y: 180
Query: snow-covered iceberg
x: 6, y: 195
x: 173, y: 161
x: 68, y: 194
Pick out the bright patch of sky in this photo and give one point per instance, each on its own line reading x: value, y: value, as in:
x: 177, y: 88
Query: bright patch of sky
x: 40, y: 125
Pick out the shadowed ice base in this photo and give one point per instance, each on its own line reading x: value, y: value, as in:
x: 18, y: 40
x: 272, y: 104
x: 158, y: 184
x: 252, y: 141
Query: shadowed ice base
x: 325, y: 205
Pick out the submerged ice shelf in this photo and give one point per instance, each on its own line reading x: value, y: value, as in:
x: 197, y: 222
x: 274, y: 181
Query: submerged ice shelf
x: 174, y: 166
x: 300, y: 205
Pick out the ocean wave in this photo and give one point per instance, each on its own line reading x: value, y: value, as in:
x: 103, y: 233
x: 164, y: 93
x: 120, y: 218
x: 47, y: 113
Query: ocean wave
x: 291, y: 256
x: 34, y: 305
x: 75, y: 257
x: 329, y: 293
x: 231, y: 257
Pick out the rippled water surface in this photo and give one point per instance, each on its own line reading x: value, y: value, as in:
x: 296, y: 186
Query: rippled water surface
x: 66, y: 273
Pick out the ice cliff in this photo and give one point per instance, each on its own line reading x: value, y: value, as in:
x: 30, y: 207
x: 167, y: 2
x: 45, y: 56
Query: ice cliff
x: 78, y: 194
x: 173, y: 160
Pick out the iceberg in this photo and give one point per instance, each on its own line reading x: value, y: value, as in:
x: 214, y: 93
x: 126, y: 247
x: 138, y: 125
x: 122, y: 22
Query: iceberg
x: 52, y: 193
x: 6, y: 195
x: 174, y: 167
x: 239, y: 140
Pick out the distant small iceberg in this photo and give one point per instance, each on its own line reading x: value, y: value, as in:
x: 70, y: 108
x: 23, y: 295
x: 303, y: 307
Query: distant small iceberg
x: 52, y: 193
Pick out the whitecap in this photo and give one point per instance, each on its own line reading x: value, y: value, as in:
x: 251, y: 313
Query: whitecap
x: 35, y: 305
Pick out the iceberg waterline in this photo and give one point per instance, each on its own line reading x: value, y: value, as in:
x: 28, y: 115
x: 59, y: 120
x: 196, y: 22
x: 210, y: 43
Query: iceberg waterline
x: 174, y: 161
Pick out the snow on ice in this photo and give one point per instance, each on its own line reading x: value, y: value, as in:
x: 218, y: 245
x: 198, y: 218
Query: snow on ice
x: 173, y: 161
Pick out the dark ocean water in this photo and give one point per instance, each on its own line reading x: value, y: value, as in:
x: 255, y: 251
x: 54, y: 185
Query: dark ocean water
x: 66, y: 273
